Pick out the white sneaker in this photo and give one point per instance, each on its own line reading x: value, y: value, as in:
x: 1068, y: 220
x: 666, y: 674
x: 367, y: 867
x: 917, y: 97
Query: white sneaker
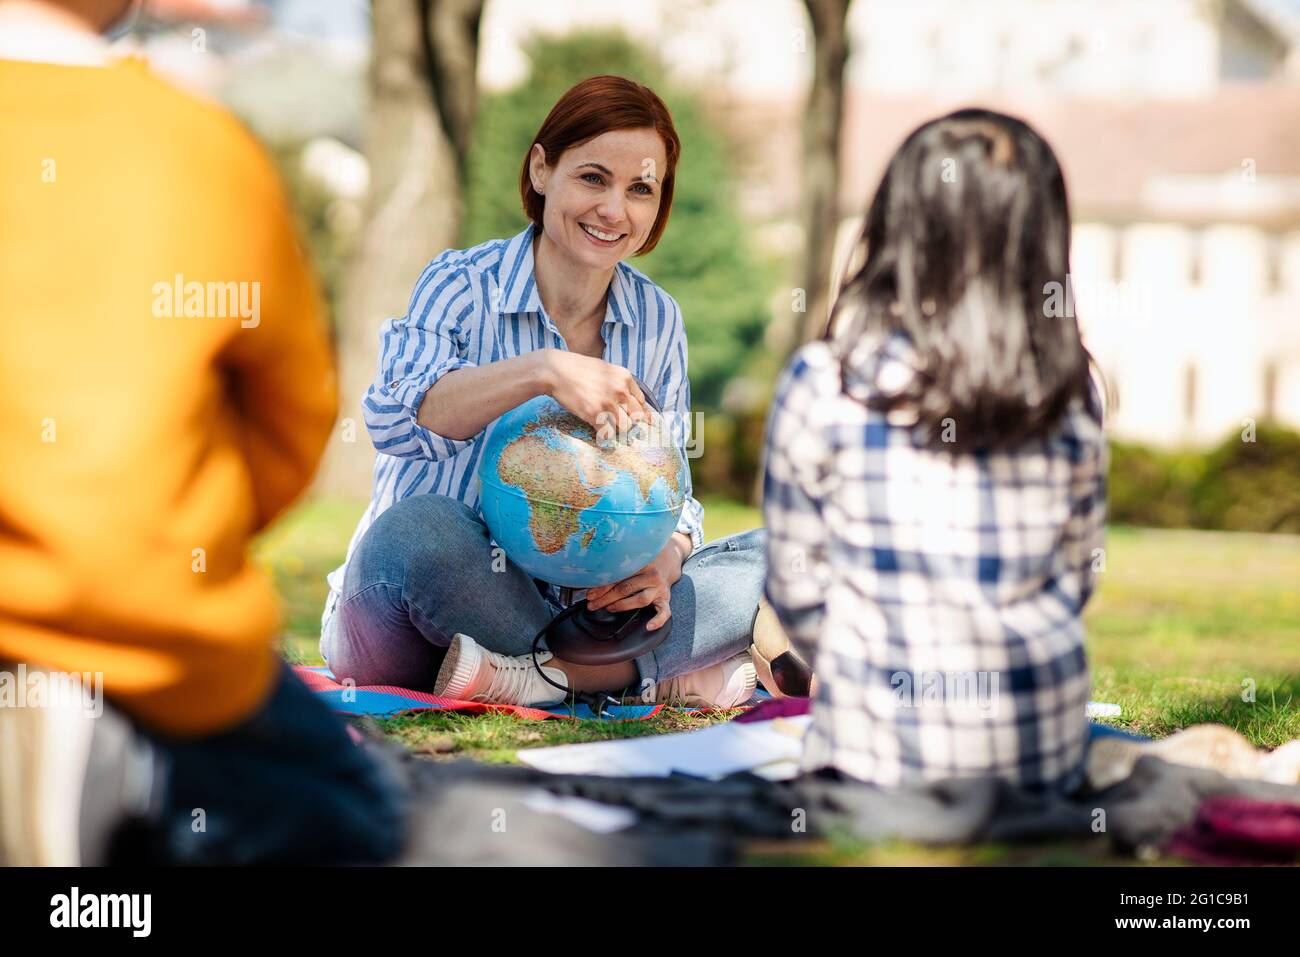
x: 728, y: 684
x: 472, y: 673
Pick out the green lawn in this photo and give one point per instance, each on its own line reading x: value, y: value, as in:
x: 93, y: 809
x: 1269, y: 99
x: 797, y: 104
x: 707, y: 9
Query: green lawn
x: 1182, y: 625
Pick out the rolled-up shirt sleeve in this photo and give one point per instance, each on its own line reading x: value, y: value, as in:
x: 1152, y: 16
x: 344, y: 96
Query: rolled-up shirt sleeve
x: 797, y: 458
x: 673, y: 391
x: 415, y: 352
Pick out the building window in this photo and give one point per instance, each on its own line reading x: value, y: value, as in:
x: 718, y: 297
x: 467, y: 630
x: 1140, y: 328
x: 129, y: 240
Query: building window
x: 1270, y: 391
x: 1273, y: 264
x: 1001, y: 74
x: 1189, y: 395
x: 1195, y: 253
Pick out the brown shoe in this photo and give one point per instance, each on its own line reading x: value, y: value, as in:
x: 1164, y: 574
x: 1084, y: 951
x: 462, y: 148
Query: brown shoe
x: 780, y: 668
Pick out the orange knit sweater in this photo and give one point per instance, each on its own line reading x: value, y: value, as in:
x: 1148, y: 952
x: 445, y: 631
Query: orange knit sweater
x: 166, y: 389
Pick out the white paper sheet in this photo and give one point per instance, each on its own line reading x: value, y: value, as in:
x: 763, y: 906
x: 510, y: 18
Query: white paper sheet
x: 765, y: 747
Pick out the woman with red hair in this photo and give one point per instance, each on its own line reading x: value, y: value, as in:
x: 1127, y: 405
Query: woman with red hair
x: 555, y: 310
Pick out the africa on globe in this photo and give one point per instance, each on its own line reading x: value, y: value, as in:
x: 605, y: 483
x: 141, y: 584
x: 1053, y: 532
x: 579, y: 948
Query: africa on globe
x: 574, y: 508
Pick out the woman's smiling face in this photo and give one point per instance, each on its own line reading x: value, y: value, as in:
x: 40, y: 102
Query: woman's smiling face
x: 602, y: 196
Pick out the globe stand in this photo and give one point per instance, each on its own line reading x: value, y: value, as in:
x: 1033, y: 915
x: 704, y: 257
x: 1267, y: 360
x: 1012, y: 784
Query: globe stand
x: 584, y: 636
x: 603, y: 637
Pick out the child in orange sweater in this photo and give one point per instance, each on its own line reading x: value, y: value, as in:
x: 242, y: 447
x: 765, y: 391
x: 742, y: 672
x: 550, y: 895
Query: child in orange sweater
x: 166, y: 390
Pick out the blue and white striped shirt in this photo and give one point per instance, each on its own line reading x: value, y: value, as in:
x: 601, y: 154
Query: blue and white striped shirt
x: 480, y: 305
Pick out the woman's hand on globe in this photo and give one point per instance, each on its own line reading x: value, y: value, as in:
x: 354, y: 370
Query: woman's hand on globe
x: 604, y: 395
x: 650, y: 585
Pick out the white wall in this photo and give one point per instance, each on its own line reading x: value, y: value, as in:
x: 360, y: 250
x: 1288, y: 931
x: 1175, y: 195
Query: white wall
x: 1151, y: 322
x: 970, y: 47
x: 1088, y: 47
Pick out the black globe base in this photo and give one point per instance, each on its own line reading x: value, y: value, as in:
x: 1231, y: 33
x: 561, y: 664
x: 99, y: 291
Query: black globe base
x: 603, y: 637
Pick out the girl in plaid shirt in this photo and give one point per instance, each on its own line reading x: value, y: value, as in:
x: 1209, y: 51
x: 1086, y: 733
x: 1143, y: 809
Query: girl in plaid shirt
x: 934, y: 490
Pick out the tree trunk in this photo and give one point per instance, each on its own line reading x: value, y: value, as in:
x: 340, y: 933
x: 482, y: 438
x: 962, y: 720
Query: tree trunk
x: 819, y: 193
x: 821, y: 158
x: 422, y: 81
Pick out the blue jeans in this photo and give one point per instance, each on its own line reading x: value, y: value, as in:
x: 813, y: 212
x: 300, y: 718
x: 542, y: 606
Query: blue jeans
x: 1097, y: 730
x: 425, y: 571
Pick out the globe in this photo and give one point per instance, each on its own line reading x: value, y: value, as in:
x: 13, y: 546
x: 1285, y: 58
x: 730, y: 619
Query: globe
x: 573, y: 508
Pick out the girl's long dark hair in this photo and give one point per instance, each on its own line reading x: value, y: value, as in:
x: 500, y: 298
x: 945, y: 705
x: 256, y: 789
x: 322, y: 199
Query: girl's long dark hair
x: 967, y: 252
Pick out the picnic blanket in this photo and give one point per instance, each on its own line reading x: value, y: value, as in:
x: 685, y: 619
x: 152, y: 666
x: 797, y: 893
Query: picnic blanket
x: 386, y: 700
x: 681, y: 819
x: 585, y: 819
x: 383, y: 701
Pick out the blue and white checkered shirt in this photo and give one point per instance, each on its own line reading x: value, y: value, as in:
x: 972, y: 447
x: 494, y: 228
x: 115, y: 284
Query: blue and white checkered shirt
x: 937, y: 595
x: 480, y: 305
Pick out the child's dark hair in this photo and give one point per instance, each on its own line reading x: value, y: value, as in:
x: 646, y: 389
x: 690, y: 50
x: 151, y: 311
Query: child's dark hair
x: 967, y: 233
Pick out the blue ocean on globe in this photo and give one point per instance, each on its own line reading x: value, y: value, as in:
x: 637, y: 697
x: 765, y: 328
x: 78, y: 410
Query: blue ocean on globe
x: 574, y: 511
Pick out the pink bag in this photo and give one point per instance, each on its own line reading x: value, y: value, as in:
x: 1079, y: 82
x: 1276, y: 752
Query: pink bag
x: 1240, y: 831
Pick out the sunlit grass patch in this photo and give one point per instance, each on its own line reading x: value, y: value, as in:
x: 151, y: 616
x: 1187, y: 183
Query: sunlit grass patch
x: 499, y: 737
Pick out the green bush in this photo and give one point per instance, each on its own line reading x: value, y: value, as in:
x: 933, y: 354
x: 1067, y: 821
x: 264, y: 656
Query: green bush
x: 1239, y: 485
x: 732, y: 446
x: 1251, y: 485
x: 1151, y: 486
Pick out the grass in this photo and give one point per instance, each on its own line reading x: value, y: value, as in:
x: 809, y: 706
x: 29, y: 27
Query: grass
x: 1186, y: 627
x: 496, y: 738
x: 851, y: 853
